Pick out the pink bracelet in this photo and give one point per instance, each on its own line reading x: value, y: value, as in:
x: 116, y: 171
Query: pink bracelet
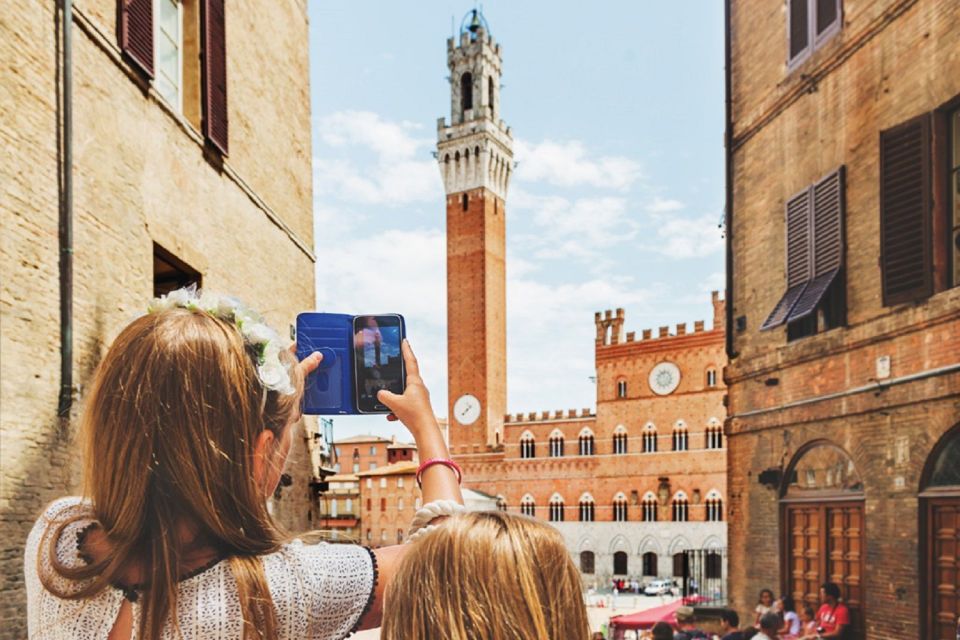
x: 426, y: 464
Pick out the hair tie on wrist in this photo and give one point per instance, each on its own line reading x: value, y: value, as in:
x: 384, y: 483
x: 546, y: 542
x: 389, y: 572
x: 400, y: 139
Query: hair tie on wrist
x: 447, y: 462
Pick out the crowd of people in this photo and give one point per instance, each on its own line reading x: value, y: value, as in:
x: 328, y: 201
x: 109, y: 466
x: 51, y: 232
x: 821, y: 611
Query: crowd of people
x: 773, y: 619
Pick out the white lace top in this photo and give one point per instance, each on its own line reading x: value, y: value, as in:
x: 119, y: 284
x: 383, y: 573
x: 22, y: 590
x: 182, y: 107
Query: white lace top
x: 319, y: 591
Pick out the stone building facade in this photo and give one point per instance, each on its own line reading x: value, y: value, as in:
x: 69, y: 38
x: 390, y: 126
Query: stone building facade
x: 167, y: 185
x: 844, y: 326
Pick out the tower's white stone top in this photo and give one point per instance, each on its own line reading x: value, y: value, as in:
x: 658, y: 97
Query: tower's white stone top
x: 476, y: 148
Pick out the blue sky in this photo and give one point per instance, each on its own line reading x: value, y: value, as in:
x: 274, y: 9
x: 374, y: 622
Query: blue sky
x: 617, y: 116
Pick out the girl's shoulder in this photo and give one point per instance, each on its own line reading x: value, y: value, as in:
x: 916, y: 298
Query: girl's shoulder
x: 72, y: 515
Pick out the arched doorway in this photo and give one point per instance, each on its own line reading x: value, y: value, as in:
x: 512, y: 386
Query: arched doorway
x: 822, y: 528
x: 587, y: 562
x: 940, y: 538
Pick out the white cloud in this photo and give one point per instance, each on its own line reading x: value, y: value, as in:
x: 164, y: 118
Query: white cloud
x: 582, y: 228
x: 689, y: 237
x: 664, y: 205
x: 401, y: 172
x: 568, y: 164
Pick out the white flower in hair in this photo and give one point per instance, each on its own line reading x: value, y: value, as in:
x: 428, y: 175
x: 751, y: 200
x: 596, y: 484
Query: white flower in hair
x: 271, y: 370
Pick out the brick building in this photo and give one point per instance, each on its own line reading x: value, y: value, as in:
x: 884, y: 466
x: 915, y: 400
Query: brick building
x: 361, y: 453
x: 184, y: 168
x: 338, y: 508
x: 389, y: 497
x: 844, y: 312
x: 644, y: 477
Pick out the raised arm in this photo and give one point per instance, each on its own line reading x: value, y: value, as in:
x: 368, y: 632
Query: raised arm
x: 440, y: 482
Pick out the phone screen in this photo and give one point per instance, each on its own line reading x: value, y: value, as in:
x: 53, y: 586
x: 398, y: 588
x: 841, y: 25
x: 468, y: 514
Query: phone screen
x: 378, y: 363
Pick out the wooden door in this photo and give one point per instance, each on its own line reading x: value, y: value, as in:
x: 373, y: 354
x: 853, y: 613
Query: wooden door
x: 942, y: 567
x: 823, y: 542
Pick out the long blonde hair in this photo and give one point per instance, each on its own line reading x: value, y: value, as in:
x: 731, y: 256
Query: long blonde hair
x: 168, y: 432
x: 486, y: 575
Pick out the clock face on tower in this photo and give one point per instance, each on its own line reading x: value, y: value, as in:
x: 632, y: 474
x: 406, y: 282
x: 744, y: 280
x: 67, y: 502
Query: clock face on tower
x: 664, y: 378
x: 466, y: 409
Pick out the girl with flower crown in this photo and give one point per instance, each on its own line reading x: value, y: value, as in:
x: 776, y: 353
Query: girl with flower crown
x: 185, y: 431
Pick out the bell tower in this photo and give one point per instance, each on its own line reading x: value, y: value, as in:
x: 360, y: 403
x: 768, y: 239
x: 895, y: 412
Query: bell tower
x: 475, y: 154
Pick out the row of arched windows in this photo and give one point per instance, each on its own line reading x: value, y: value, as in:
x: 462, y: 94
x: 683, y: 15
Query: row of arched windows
x: 713, y: 564
x: 586, y: 507
x: 710, y: 381
x: 680, y: 440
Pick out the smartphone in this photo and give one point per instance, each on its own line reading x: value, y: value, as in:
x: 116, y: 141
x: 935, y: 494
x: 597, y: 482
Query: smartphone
x: 377, y: 360
x: 361, y: 355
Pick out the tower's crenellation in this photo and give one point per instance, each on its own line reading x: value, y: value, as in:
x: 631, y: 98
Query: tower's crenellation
x: 476, y: 148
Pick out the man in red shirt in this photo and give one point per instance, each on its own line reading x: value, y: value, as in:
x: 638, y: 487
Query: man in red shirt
x: 833, y: 617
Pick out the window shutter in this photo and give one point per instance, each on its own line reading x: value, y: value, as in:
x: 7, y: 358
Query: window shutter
x: 798, y: 212
x: 799, y: 27
x: 827, y: 242
x: 905, y: 211
x: 136, y: 33
x: 215, y: 74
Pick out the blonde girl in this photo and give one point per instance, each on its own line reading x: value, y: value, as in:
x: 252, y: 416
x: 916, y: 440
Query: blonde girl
x: 487, y: 575
x: 185, y: 432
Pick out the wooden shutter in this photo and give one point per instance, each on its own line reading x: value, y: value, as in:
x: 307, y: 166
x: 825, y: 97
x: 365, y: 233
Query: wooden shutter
x: 214, y: 38
x: 905, y: 212
x: 799, y: 260
x: 136, y: 33
x: 799, y: 27
x: 826, y: 234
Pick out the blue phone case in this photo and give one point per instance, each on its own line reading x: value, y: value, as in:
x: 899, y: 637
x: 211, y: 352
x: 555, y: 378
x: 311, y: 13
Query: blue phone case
x: 330, y: 389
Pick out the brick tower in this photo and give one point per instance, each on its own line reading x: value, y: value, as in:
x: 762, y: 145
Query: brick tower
x: 476, y: 158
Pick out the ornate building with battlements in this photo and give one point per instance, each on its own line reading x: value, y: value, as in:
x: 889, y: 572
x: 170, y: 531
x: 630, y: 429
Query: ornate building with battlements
x: 630, y: 485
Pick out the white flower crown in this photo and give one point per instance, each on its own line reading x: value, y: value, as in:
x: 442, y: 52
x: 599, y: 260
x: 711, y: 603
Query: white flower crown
x: 266, y: 342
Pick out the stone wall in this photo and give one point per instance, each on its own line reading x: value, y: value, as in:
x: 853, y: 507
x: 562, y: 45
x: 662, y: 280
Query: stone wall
x: 140, y: 177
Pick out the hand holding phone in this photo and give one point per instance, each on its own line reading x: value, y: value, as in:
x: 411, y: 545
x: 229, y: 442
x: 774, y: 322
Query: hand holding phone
x: 361, y: 356
x: 412, y: 407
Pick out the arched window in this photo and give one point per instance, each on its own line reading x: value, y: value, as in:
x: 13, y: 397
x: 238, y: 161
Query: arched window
x: 939, y: 526
x: 446, y: 158
x: 711, y: 377
x: 650, y: 564
x: 527, y: 506
x: 556, y: 444
x: 586, y: 442
x: 680, y: 436
x: 587, y: 562
x: 649, y: 438
x: 621, y: 388
x: 649, y: 506
x: 587, y: 508
x: 501, y: 504
x: 823, y: 520
x: 466, y: 92
x: 620, y: 508
x: 620, y: 563
x: 680, y: 565
x: 714, y: 506
x: 491, y: 97
x: 556, y: 508
x: 620, y: 440
x: 714, y: 434
x: 681, y: 507
x: 464, y: 201
x: 528, y: 447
